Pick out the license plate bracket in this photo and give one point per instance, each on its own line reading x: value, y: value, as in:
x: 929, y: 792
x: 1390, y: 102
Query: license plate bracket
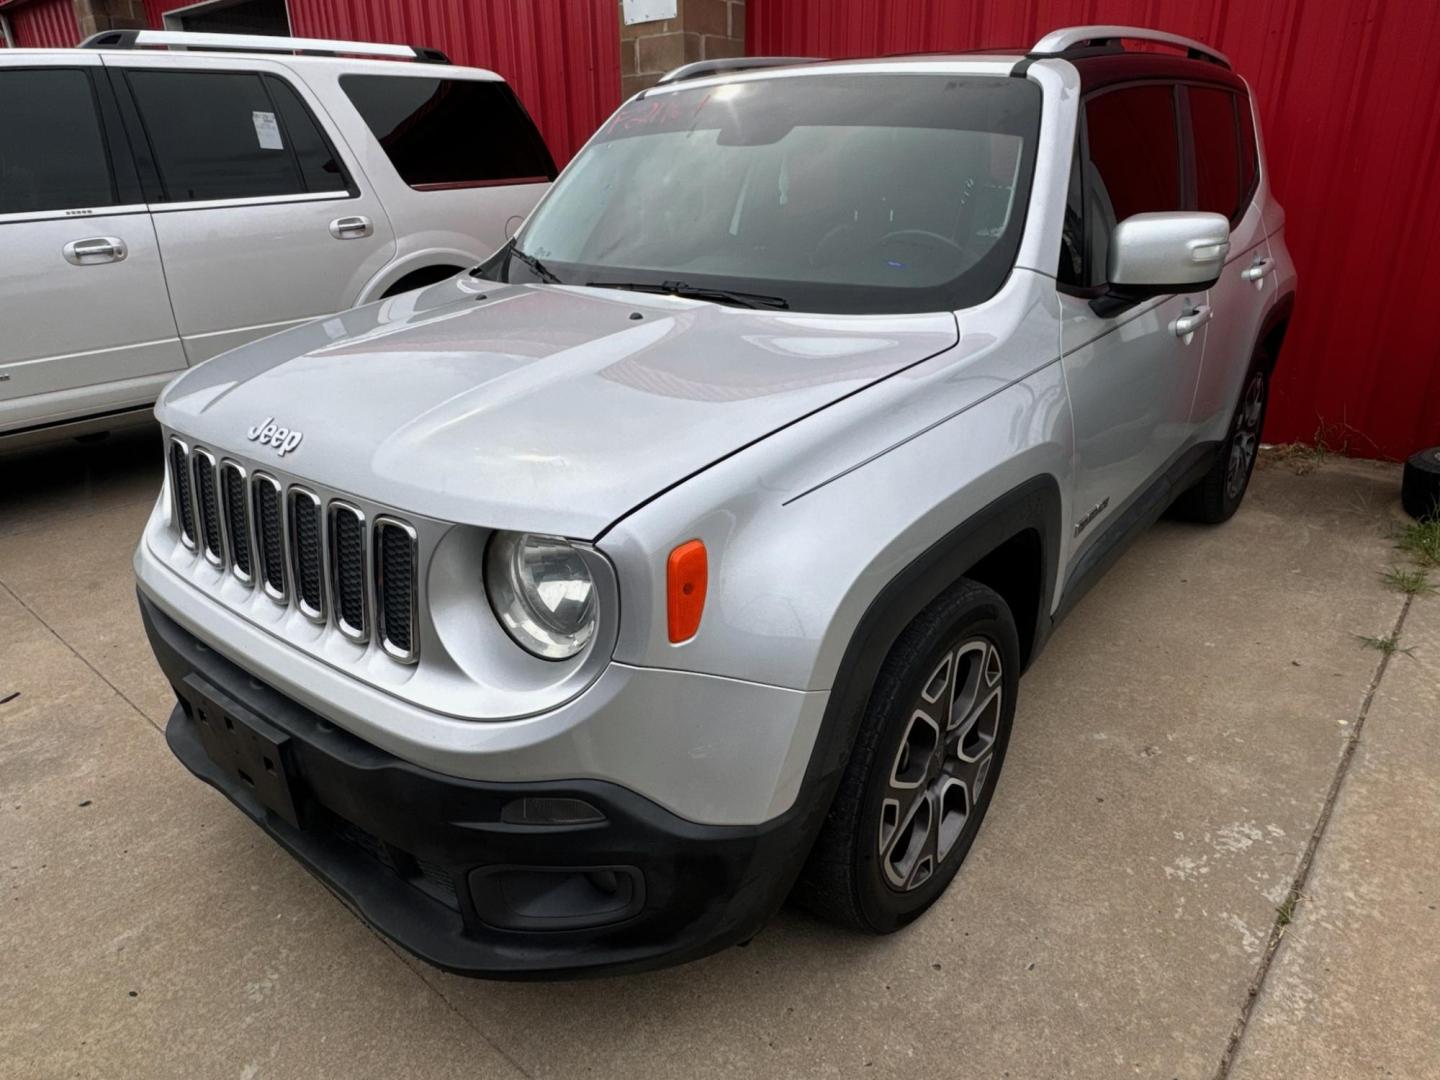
x: 246, y: 746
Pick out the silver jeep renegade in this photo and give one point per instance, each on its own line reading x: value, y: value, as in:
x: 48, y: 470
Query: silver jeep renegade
x: 572, y: 613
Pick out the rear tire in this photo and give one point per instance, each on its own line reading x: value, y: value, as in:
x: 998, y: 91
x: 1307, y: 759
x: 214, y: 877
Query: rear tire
x: 924, y: 766
x: 1218, y: 494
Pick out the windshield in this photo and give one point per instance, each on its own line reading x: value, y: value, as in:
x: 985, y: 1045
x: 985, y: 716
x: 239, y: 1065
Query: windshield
x: 835, y: 193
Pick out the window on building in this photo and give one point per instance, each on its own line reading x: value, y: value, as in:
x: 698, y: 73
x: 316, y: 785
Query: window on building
x: 1133, y: 163
x: 52, y: 149
x: 1218, y: 185
x: 443, y: 133
x: 231, y: 135
x: 231, y: 17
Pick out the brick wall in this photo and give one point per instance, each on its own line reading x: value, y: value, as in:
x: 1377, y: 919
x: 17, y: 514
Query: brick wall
x: 701, y: 30
x: 96, y: 15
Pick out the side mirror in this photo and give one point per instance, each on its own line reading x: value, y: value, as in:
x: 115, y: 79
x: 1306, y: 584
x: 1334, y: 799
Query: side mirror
x: 1155, y: 254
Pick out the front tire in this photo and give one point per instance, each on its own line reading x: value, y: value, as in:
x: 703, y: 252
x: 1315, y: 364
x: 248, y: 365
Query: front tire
x: 1221, y: 490
x: 924, y: 767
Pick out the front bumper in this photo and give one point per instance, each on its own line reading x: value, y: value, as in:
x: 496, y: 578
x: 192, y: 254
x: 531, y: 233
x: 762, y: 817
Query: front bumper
x: 436, y: 863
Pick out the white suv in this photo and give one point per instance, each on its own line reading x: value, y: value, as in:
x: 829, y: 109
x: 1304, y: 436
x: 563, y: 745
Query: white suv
x: 159, y: 206
x: 558, y: 614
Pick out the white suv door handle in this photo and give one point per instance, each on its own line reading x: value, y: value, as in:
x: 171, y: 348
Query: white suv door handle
x: 95, y: 249
x: 1257, y: 270
x: 350, y: 228
x: 1191, y: 321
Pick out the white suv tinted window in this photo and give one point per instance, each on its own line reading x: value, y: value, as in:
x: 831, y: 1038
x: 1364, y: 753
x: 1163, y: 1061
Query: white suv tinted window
x: 442, y: 133
x: 52, y: 149
x: 231, y: 135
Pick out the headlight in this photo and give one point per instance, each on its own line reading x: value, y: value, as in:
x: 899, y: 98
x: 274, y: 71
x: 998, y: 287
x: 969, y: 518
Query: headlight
x: 542, y: 593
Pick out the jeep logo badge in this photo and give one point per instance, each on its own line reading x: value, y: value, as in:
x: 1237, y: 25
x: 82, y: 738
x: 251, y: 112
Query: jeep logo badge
x: 268, y: 433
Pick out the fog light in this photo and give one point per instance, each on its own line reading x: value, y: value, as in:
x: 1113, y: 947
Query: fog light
x: 556, y: 898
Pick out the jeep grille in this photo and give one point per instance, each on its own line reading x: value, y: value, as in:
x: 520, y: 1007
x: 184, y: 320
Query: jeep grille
x: 180, y: 491
x: 270, y: 535
x: 395, y: 585
x: 348, y: 575
x: 207, y: 506
x: 323, y: 556
x: 237, y: 520
x: 306, y: 559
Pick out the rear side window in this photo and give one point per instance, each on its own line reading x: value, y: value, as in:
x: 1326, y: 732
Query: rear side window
x: 1219, y: 187
x: 319, y: 168
x: 52, y: 149
x: 1249, y: 152
x: 1132, y: 166
x: 443, y: 133
x: 231, y: 135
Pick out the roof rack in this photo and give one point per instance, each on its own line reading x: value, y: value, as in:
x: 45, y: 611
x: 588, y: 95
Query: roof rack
x: 175, y: 39
x: 1059, y: 42
x: 701, y: 68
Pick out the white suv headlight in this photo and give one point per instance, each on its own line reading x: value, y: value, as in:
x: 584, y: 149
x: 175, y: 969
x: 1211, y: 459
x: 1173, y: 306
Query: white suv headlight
x: 542, y: 593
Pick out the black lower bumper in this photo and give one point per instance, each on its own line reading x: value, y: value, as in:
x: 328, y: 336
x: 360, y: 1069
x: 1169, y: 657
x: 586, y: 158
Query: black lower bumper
x: 455, y: 870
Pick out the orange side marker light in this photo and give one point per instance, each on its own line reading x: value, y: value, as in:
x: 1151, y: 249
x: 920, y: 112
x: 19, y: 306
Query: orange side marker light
x: 687, y: 573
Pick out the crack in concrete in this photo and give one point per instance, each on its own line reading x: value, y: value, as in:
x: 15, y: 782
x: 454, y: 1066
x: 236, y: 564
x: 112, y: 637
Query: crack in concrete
x: 1302, y: 872
x: 81, y: 657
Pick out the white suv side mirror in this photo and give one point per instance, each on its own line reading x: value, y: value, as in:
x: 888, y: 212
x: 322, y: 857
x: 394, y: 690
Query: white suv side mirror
x: 1167, y: 252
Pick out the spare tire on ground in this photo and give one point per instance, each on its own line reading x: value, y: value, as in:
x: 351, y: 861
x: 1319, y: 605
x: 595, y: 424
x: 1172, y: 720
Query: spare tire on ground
x: 1420, y: 487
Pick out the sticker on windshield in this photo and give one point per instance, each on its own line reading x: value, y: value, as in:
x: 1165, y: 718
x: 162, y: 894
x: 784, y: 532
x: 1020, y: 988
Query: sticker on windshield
x: 267, y: 131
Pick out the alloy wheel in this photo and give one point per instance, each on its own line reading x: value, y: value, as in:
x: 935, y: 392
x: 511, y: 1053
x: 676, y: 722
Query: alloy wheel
x: 1246, y: 439
x: 941, y: 767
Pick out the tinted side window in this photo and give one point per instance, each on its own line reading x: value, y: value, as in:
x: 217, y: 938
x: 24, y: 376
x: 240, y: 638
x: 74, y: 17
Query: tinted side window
x: 450, y: 132
x: 1133, y: 166
x: 1249, y: 152
x: 52, y: 150
x: 220, y: 135
x: 320, y: 169
x: 1218, y: 186
x: 1071, y: 270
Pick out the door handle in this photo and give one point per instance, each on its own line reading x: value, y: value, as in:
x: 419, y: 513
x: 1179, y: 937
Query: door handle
x: 95, y: 249
x: 1257, y: 271
x: 1192, y: 320
x: 350, y: 228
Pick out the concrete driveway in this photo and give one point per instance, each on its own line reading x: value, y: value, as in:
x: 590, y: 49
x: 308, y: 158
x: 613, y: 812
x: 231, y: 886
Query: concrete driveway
x: 1188, y: 751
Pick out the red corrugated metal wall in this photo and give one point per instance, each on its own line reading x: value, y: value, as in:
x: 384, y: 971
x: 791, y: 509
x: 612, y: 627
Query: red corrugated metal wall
x: 1348, y: 92
x: 42, y: 24
x: 561, y: 56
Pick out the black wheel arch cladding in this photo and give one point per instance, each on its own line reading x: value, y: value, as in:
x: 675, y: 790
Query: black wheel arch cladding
x: 1031, y: 507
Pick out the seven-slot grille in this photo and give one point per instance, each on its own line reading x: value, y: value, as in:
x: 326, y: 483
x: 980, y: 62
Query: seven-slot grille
x: 325, y: 557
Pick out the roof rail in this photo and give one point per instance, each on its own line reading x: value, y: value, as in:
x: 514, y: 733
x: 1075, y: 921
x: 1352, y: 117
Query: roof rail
x: 175, y: 39
x: 1059, y: 42
x: 701, y: 68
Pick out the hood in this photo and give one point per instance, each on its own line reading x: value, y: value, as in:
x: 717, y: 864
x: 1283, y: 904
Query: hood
x: 538, y: 407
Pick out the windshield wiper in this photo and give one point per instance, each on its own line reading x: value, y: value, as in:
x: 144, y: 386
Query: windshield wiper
x: 697, y: 292
x: 538, y: 268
